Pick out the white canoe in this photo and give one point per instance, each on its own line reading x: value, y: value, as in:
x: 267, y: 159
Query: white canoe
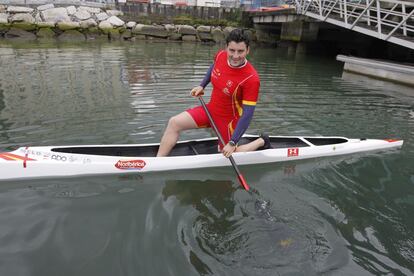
x: 59, y: 161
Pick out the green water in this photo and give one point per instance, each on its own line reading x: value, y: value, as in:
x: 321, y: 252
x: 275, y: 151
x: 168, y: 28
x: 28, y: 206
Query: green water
x: 349, y: 215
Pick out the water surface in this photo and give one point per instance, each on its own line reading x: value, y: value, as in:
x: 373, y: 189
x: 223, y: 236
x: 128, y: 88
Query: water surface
x: 349, y: 215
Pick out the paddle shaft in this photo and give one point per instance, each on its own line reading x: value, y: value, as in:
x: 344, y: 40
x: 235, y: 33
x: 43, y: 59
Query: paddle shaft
x: 233, y: 163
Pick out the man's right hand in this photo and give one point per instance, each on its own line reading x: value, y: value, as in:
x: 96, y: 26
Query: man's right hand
x: 197, y: 91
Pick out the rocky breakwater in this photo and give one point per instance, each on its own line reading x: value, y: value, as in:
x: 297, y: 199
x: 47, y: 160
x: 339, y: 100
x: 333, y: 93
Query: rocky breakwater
x: 73, y: 23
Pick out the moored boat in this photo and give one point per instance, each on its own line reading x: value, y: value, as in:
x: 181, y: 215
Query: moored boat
x: 59, y: 161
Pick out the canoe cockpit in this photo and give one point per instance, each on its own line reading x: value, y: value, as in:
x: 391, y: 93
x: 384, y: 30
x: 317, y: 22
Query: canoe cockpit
x: 195, y: 147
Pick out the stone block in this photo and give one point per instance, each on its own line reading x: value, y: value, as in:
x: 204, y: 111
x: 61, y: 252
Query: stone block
x: 88, y: 23
x: 102, y: 16
x: 19, y: 9
x: 175, y: 36
x: 22, y: 17
x: 82, y: 15
x: 151, y: 30
x: 45, y: 7
x: 4, y: 18
x: 204, y: 29
x: 71, y: 10
x: 55, y: 15
x: 45, y: 33
x: 115, y: 21
x: 205, y: 37
x: 189, y: 38
x: 64, y: 26
x: 19, y: 34
x: 71, y: 35
x: 90, y: 9
x: 24, y: 26
x: 186, y: 30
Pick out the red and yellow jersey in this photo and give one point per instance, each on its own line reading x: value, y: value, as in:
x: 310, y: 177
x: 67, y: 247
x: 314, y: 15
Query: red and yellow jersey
x: 232, y: 87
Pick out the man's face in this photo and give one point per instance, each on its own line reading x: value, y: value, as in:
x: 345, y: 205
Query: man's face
x: 236, y: 53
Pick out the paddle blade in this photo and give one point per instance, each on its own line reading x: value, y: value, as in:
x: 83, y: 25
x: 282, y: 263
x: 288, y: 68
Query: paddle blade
x: 243, y: 182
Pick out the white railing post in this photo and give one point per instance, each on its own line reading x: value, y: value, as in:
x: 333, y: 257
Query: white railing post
x: 368, y: 14
x: 379, y: 19
x: 320, y: 7
x: 404, y: 18
x: 345, y: 13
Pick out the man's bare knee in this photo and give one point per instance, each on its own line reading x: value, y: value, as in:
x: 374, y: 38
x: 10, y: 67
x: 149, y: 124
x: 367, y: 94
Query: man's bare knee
x: 174, y: 124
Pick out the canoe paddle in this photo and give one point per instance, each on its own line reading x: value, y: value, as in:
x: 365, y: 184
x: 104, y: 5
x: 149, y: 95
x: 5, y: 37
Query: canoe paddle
x: 233, y: 163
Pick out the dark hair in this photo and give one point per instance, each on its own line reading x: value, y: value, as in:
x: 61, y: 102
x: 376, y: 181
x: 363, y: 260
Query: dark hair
x: 237, y: 35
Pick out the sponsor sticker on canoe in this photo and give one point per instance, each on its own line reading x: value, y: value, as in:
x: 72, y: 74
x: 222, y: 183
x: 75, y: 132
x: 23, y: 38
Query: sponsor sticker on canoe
x: 391, y: 140
x: 130, y: 164
x: 292, y: 152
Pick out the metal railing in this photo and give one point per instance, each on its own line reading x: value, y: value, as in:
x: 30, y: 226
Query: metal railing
x: 388, y: 20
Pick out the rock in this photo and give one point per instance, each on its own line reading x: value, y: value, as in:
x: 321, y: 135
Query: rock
x: 126, y: 35
x: 170, y: 28
x: 22, y: 17
x: 45, y: 7
x: 4, y: 28
x: 18, y: 9
x: 186, y: 30
x: 114, y: 34
x: 151, y: 30
x: 189, y: 38
x: 102, y: 16
x: 114, y: 13
x: 217, y: 34
x: 24, y: 26
x: 131, y: 24
x: 38, y: 18
x: 95, y: 34
x: 3, y: 8
x: 71, y: 35
x: 175, y: 36
x: 71, y: 10
x: 227, y: 30
x: 105, y: 26
x: 88, y: 23
x: 46, y: 24
x: 82, y: 15
x: 55, y: 15
x: 45, y: 33
x: 19, y: 34
x: 203, y: 29
x: 115, y: 21
x: 205, y: 37
x: 90, y: 9
x: 3, y: 18
x: 69, y: 25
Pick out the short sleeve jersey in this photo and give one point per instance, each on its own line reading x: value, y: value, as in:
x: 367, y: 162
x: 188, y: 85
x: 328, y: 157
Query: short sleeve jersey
x: 232, y: 87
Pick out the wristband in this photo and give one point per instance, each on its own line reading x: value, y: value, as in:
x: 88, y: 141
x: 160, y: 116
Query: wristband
x: 232, y: 143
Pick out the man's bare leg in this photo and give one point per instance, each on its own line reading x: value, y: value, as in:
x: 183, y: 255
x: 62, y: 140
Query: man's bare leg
x: 176, y: 124
x: 252, y: 146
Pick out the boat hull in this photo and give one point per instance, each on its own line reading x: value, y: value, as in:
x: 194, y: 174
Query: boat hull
x: 40, y: 162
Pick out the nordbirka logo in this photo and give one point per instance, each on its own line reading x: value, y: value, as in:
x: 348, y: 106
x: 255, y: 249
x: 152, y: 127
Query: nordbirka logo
x: 130, y: 164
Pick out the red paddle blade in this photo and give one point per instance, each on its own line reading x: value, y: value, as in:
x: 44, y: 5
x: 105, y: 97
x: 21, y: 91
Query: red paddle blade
x: 243, y: 182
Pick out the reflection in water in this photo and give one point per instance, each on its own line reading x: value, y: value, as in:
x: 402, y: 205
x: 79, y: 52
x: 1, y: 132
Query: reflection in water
x: 391, y: 88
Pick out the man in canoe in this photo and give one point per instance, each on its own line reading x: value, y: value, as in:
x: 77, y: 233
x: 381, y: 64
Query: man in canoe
x: 233, y: 100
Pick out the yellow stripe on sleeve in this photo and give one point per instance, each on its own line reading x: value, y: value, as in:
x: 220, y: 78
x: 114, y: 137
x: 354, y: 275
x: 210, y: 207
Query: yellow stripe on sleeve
x: 248, y: 102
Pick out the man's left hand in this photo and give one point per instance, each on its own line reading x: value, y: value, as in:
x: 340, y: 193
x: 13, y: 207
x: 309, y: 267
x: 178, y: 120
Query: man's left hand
x: 228, y: 150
